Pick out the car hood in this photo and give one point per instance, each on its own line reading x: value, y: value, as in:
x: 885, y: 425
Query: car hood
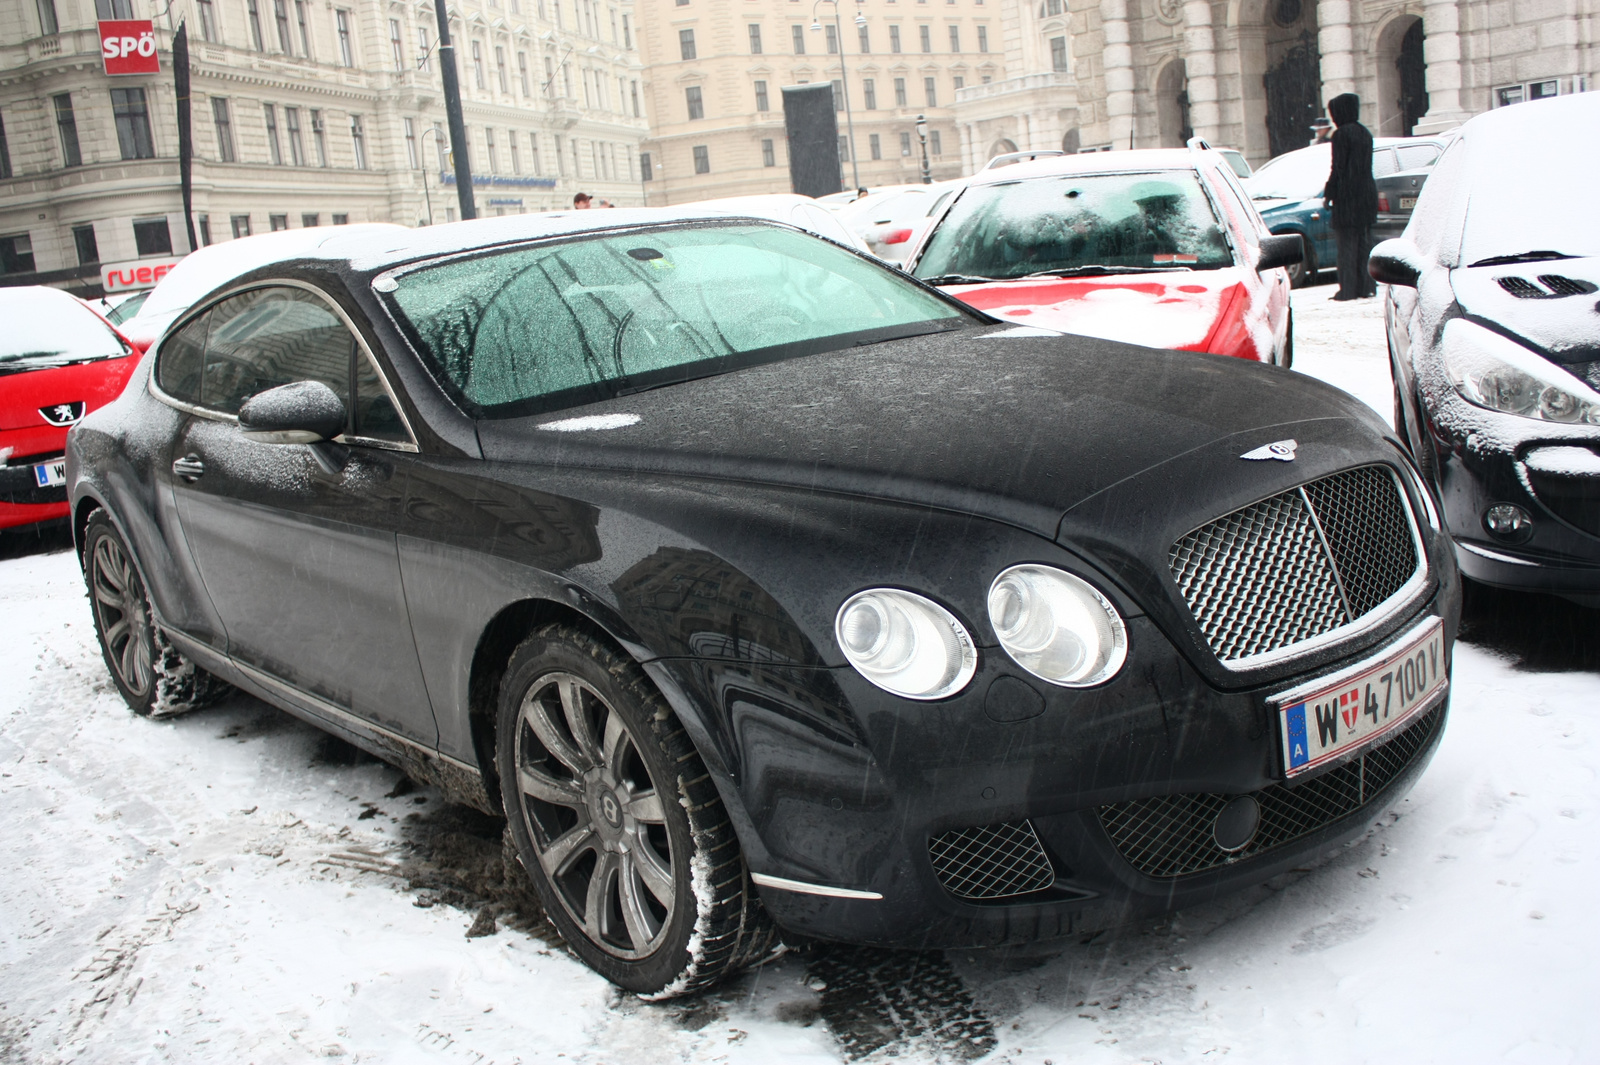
x: 995, y: 421
x: 1177, y: 310
x: 1565, y: 328
x: 93, y: 383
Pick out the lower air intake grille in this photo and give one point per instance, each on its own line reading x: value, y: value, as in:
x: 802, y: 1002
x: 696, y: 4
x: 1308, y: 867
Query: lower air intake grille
x: 1171, y: 835
x: 991, y: 862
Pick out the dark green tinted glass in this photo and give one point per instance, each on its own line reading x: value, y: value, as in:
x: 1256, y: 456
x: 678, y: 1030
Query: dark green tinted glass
x: 375, y: 416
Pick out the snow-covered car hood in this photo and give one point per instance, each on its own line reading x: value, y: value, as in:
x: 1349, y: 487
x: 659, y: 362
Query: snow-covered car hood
x: 1184, y: 311
x: 1560, y: 317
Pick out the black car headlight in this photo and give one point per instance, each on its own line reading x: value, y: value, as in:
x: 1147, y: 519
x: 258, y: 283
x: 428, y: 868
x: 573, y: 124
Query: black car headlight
x: 905, y: 644
x: 1495, y: 372
x: 1056, y: 626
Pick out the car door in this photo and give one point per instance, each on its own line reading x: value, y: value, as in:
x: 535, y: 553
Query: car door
x: 295, y: 543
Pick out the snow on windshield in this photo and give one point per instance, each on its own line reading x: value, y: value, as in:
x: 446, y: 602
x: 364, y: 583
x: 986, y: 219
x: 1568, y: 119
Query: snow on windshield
x: 1531, y: 188
x: 1297, y: 175
x: 1155, y: 219
x: 51, y: 327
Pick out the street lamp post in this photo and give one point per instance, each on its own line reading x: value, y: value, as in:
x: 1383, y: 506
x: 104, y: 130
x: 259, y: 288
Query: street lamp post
x: 844, y: 77
x: 922, y: 135
x: 438, y: 145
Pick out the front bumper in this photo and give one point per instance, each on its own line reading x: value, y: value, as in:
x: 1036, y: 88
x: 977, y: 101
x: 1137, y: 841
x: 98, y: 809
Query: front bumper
x: 22, y: 500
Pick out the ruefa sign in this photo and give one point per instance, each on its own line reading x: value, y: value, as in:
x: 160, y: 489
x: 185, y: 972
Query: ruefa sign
x: 136, y: 274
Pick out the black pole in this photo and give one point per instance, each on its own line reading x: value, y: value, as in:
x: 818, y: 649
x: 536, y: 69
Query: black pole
x: 452, y: 110
x: 180, y: 85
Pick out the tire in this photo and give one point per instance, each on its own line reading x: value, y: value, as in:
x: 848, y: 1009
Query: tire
x: 1304, y: 272
x: 153, y: 677
x: 617, y: 822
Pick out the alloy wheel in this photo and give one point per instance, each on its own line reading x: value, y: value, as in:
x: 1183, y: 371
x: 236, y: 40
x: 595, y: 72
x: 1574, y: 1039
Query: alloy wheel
x: 124, y: 620
x: 595, y: 816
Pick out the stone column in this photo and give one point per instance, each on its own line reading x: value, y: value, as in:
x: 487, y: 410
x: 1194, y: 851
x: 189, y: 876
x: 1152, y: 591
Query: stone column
x: 1336, y: 40
x: 1117, y: 62
x: 1200, y: 64
x: 1441, y: 49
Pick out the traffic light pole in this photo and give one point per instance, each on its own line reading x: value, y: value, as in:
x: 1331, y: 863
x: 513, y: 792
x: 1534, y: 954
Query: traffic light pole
x: 452, y: 110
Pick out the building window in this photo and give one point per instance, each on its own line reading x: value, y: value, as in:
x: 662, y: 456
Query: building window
x: 424, y: 49
x: 1058, y: 54
x: 412, y: 159
x: 930, y: 91
x: 769, y: 156
x: 633, y: 90
x: 488, y: 140
x: 646, y: 171
x: 925, y: 34
x: 702, y: 160
x: 152, y: 236
x: 477, y: 65
x: 132, y: 115
x: 561, y: 160
x: 894, y: 39
x: 955, y: 38
x: 310, y: 221
x: 935, y: 144
x: 844, y: 148
x: 960, y: 81
x: 278, y: 221
x: 204, y: 222
x: 297, y: 149
x: 522, y: 74
x: 838, y: 95
x: 358, y: 141
x: 762, y: 104
x: 305, y: 32
x: 208, y: 21
x: 500, y: 69
x: 341, y: 219
x: 5, y: 152
x: 797, y: 34
x: 755, y: 39
x: 88, y: 247
x: 869, y: 93
x: 224, y: 123
x: 983, y: 38
x: 900, y: 92
x: 905, y: 144
x: 16, y: 255
x: 686, y: 44
x: 48, y: 26
x: 832, y: 35
x: 864, y: 39
x: 341, y: 18
x: 875, y: 145
x: 395, y: 46
x: 1052, y: 7
x: 511, y: 144
x: 274, y: 149
x: 67, y: 126
x: 627, y: 33
x: 319, y: 137
x: 696, y: 105
x: 253, y: 13
x: 241, y: 225
x: 113, y: 9
x: 280, y: 15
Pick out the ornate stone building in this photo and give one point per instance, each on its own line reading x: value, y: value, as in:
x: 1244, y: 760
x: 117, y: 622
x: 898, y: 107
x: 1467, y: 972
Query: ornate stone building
x: 305, y: 112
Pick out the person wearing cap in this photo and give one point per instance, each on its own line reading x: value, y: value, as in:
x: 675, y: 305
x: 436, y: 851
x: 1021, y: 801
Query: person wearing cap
x: 580, y: 202
x: 1321, y: 130
x: 1352, y: 196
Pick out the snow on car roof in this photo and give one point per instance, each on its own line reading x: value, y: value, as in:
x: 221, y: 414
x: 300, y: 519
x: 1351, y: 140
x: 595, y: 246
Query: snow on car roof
x: 1094, y: 163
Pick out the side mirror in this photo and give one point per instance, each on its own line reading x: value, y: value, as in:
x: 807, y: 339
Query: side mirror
x: 1396, y: 262
x: 1280, y: 250
x: 302, y: 412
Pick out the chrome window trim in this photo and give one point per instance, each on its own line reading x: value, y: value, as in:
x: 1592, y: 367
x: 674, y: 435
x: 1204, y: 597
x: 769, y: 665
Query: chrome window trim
x: 409, y: 445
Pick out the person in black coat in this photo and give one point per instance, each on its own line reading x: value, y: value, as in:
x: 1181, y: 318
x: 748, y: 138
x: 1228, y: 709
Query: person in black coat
x: 1352, y: 196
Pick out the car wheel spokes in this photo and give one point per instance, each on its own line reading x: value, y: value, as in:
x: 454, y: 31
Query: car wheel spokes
x: 118, y: 605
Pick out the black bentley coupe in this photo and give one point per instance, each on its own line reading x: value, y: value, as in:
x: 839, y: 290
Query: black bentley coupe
x: 767, y: 591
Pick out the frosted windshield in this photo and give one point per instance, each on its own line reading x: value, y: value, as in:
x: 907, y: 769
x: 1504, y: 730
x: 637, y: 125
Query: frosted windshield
x: 1297, y: 175
x: 1152, y: 220
x: 538, y: 327
x: 52, y: 327
x: 1526, y: 191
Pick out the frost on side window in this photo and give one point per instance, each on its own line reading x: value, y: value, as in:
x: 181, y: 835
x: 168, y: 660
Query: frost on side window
x: 1159, y: 219
x: 540, y: 327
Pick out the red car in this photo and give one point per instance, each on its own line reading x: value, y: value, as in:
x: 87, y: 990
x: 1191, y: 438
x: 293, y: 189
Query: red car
x: 58, y: 361
x: 1160, y: 248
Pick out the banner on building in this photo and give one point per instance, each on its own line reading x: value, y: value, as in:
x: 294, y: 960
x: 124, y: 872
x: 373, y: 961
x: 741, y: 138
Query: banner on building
x: 128, y: 46
x: 135, y: 274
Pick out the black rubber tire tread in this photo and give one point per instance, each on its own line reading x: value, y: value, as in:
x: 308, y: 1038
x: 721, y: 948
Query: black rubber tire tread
x: 179, y: 684
x: 1288, y: 343
x: 736, y: 931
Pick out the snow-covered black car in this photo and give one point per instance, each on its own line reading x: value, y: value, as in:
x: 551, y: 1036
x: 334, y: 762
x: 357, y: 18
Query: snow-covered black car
x: 1494, y: 337
x: 767, y: 590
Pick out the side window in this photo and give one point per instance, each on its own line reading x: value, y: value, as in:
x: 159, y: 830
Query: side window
x: 1237, y: 205
x: 178, y: 361
x: 1383, y: 163
x: 1436, y: 224
x: 271, y: 336
x: 375, y: 415
x: 1415, y: 156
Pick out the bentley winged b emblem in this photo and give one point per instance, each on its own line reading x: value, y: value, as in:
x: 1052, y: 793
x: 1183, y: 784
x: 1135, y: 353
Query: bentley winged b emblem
x: 1282, y: 450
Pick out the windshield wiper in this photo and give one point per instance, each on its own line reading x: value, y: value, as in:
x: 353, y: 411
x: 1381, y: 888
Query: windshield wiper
x: 958, y: 279
x: 1097, y: 271
x: 1523, y: 257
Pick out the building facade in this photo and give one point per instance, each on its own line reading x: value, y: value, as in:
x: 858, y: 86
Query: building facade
x: 716, y: 70
x: 305, y: 113
x: 1253, y: 74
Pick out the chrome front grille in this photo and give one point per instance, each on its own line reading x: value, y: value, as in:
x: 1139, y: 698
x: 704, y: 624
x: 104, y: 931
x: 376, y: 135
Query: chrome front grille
x: 991, y: 861
x: 1298, y: 565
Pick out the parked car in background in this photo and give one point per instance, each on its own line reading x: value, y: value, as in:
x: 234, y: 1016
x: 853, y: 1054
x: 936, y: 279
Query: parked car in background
x: 891, y: 227
x: 1236, y: 160
x: 118, y: 307
x: 1158, y: 247
x: 803, y: 212
x: 59, y: 360
x: 1287, y: 190
x: 765, y: 589
x: 1397, y: 198
x: 1494, y: 336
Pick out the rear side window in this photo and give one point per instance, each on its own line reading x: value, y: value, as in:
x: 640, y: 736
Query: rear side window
x: 269, y: 337
x: 375, y: 415
x: 1415, y: 156
x: 179, y: 360
x: 1383, y: 163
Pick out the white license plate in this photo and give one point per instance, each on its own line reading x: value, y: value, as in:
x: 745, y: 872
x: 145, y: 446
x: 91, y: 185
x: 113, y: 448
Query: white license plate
x: 1338, y: 715
x: 51, y: 474
x: 1408, y: 203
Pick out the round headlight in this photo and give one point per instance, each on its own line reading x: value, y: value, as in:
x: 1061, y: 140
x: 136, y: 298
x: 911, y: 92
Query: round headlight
x: 1057, y: 627
x: 905, y: 644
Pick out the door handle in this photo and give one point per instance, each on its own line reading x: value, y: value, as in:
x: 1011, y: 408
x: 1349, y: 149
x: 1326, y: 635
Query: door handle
x: 190, y: 468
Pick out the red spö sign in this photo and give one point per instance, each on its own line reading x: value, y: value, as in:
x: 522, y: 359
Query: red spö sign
x: 128, y: 46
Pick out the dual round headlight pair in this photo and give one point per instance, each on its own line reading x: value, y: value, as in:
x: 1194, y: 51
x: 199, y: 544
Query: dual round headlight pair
x: 1056, y: 626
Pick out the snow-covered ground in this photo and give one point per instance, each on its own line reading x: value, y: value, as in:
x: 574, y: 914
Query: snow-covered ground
x: 234, y: 886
